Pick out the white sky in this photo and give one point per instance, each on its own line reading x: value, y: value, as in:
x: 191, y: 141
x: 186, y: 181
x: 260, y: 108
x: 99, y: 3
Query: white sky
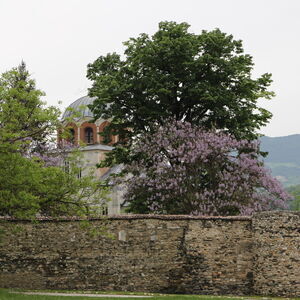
x: 58, y: 38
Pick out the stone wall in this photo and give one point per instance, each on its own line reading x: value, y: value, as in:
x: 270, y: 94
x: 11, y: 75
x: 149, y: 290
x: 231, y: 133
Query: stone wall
x: 277, y: 253
x: 174, y: 254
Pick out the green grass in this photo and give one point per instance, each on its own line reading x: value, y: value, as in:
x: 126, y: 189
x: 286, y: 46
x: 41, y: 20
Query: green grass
x: 9, y: 295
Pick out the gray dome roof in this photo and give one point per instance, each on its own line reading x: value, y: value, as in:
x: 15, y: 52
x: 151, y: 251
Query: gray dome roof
x: 81, y: 106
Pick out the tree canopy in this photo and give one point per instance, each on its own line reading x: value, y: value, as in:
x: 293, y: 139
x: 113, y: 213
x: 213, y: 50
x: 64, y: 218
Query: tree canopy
x: 25, y: 123
x: 36, y: 177
x: 204, y: 79
x: 190, y: 170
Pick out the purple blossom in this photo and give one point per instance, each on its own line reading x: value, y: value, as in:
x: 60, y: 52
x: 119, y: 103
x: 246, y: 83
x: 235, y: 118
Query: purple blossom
x: 186, y: 169
x: 52, y: 156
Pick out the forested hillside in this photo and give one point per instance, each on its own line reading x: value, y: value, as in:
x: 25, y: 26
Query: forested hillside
x: 283, y: 158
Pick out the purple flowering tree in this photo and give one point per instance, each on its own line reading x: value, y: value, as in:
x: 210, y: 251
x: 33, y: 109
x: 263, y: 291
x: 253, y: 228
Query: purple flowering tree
x: 184, y: 169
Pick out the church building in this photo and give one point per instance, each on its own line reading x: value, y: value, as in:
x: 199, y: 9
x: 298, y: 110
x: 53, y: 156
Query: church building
x: 84, y: 130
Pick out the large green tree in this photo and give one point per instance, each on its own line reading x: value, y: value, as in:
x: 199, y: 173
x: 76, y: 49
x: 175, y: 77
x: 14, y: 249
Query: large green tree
x: 204, y: 79
x: 25, y: 123
x: 35, y: 177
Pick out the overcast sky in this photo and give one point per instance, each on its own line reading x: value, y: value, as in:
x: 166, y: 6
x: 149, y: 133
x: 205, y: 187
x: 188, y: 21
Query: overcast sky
x: 58, y: 38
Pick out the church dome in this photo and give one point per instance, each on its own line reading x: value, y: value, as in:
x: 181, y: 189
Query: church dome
x: 80, y: 105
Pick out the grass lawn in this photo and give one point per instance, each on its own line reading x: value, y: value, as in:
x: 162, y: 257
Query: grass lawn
x: 9, y: 295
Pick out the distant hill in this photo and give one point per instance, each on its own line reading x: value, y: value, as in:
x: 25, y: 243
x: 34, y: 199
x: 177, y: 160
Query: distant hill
x: 283, y: 158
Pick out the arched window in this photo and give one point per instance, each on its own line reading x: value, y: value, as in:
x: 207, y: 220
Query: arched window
x: 88, y: 135
x: 72, y: 135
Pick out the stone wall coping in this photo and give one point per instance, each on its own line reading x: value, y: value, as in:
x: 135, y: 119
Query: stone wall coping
x: 279, y: 213
x: 130, y: 217
x: 154, y: 217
